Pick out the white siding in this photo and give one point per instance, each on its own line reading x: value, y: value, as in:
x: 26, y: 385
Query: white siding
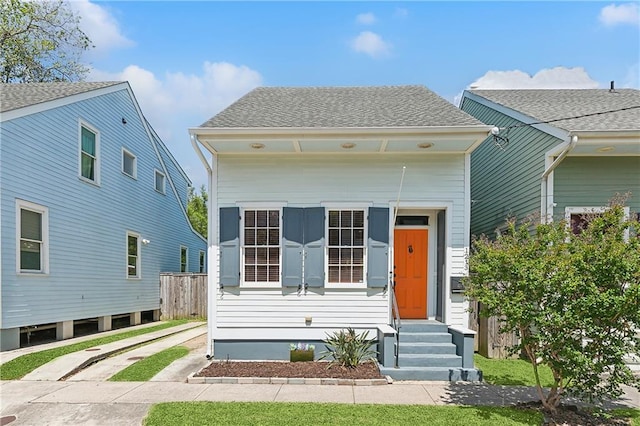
x: 309, y: 180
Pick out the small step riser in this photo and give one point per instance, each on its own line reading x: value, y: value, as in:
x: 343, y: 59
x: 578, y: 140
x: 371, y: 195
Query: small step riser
x: 430, y: 361
x: 407, y: 374
x: 408, y: 348
x: 424, y: 328
x: 425, y: 337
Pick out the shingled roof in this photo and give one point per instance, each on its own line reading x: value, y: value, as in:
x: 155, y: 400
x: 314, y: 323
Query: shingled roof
x: 20, y: 95
x: 340, y: 107
x: 552, y: 104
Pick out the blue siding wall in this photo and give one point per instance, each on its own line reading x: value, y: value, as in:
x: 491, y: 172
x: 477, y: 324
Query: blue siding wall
x: 88, y: 223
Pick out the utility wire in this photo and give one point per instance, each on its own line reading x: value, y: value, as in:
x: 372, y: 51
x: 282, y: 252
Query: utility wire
x: 572, y: 118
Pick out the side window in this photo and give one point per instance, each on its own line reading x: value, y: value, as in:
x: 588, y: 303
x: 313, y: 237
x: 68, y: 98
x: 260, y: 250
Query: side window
x: 261, y: 246
x: 89, y: 154
x: 159, y: 181
x: 201, y: 260
x: 32, y: 238
x: 184, y: 259
x: 133, y: 255
x: 346, y: 246
x: 128, y: 163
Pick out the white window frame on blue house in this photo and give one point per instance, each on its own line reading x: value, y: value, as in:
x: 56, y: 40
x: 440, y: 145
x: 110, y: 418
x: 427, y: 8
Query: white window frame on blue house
x: 163, y: 183
x: 572, y: 210
x: 134, y: 163
x: 184, y: 259
x: 138, y: 256
x: 43, y: 242
x: 96, y: 156
x: 201, y: 261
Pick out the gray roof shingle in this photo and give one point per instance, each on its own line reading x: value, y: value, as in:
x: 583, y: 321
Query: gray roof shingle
x: 552, y: 104
x: 340, y: 107
x: 20, y: 95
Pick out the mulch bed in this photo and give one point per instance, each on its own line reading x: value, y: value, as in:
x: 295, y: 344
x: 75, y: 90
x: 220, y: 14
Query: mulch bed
x: 304, y: 369
x: 571, y: 415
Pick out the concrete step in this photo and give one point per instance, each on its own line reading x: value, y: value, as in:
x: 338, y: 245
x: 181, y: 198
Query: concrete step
x: 424, y: 337
x: 432, y: 373
x: 423, y: 327
x: 427, y: 348
x: 430, y: 360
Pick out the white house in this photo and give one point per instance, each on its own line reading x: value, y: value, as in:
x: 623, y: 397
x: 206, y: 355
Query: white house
x: 317, y: 196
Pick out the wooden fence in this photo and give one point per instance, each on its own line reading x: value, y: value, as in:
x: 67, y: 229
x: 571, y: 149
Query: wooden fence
x: 489, y: 341
x: 183, y: 296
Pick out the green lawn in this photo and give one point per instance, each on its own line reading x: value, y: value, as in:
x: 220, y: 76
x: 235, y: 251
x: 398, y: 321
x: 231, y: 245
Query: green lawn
x: 146, y: 368
x: 280, y: 413
x: 511, y: 372
x: 19, y: 367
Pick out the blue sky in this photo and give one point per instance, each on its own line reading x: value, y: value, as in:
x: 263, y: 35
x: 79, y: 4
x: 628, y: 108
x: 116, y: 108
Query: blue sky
x: 188, y: 60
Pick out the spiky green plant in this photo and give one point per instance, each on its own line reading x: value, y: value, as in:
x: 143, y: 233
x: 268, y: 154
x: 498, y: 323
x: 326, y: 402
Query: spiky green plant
x: 348, y: 348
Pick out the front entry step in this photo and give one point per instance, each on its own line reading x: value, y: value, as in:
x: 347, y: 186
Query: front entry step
x: 427, y: 352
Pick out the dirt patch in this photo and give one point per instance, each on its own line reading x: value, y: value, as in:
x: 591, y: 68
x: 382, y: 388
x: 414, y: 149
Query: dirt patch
x: 570, y: 415
x: 308, y: 369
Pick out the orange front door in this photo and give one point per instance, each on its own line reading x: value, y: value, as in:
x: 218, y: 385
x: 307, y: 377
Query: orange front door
x: 411, y: 260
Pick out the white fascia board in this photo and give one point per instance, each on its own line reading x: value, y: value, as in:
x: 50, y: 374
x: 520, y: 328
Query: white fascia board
x: 516, y: 115
x: 56, y: 103
x: 631, y: 135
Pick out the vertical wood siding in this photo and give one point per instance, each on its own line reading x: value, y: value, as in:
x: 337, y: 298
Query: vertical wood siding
x: 183, y: 296
x: 593, y: 181
x: 87, y: 223
x: 505, y: 182
x: 306, y: 181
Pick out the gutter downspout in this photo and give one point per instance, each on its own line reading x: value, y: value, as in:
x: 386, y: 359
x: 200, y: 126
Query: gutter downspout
x: 544, y: 216
x: 210, y: 306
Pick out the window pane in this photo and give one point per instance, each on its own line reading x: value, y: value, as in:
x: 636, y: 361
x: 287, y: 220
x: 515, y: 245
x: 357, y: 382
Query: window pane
x: 358, y: 218
x: 132, y: 267
x: 128, y: 162
x: 261, y: 237
x: 274, y: 274
x: 261, y: 256
x: 345, y: 274
x: 345, y: 218
x: 88, y: 142
x: 249, y: 218
x: 334, y: 237
x: 30, y: 256
x: 334, y: 256
x: 345, y: 256
x: 274, y: 256
x: 261, y: 218
x: 274, y: 236
x: 358, y: 237
x: 249, y: 273
x: 358, y: 256
x: 30, y: 225
x: 249, y: 237
x: 183, y: 255
x: 250, y: 256
x: 261, y: 273
x: 132, y: 242
x: 345, y: 237
x: 159, y: 182
x: 334, y: 216
x: 357, y: 274
x: 334, y: 274
x: 274, y: 218
x: 87, y: 166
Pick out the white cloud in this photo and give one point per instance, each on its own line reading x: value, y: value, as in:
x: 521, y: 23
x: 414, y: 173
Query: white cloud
x: 371, y: 44
x: 627, y: 13
x: 176, y: 101
x: 366, y: 18
x: 100, y: 26
x: 548, y: 78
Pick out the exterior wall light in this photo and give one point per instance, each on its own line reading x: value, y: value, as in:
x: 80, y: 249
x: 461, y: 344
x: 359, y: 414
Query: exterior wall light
x: 257, y: 145
x: 348, y: 145
x: 425, y: 145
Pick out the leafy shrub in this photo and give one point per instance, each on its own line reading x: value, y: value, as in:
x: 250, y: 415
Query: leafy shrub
x: 349, y: 349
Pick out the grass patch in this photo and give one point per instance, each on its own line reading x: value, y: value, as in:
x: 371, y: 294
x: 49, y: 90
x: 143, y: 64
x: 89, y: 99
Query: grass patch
x: 511, y: 372
x: 19, y: 367
x: 146, y: 368
x: 280, y: 413
x: 628, y: 413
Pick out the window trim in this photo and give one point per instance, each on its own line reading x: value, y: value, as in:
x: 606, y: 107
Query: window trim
x: 202, y: 259
x: 134, y: 174
x: 262, y: 206
x: 186, y: 259
x: 96, y: 132
x: 138, y: 275
x: 364, y: 207
x: 44, y: 253
x: 162, y: 191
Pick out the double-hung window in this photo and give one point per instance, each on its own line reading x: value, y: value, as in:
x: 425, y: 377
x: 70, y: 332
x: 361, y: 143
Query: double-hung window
x: 184, y: 259
x: 261, y: 237
x: 89, y: 154
x: 201, y: 260
x: 159, y: 182
x: 32, y: 232
x: 346, y: 243
x: 133, y: 255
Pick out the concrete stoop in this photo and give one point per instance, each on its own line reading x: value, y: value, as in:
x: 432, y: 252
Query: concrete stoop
x: 427, y: 352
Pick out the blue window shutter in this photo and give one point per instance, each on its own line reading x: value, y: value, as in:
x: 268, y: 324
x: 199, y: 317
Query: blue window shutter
x: 230, y: 246
x: 293, y: 231
x: 378, y: 247
x: 314, y: 246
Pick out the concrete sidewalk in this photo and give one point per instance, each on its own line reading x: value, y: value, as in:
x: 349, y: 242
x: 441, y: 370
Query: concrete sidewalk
x: 127, y: 403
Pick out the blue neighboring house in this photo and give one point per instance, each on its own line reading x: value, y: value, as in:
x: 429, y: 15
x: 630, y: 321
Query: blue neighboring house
x: 92, y: 208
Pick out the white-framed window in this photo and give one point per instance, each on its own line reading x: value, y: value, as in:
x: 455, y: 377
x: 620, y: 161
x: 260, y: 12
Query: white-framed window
x: 159, y: 182
x: 261, y: 238
x: 201, y: 261
x: 89, y: 153
x: 578, y: 218
x: 184, y: 259
x: 129, y: 166
x: 32, y: 238
x: 346, y: 245
x: 134, y: 259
